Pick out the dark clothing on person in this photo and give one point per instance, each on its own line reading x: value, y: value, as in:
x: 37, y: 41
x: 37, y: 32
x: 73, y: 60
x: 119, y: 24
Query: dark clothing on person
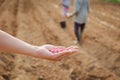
x: 78, y: 29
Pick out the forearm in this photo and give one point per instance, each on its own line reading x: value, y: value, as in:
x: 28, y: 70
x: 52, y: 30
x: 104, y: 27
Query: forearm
x: 11, y: 44
x: 74, y: 13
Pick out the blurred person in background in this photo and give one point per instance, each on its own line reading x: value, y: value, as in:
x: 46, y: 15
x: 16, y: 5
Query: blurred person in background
x: 81, y: 11
x: 65, y: 6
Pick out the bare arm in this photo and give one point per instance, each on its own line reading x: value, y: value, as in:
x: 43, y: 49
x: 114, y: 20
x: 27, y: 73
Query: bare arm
x: 11, y: 44
x: 72, y: 14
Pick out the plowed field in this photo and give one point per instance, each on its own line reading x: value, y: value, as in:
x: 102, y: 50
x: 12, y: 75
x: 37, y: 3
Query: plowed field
x: 37, y: 22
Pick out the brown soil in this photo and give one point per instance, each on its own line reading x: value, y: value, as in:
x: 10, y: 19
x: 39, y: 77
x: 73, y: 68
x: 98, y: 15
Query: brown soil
x: 37, y: 22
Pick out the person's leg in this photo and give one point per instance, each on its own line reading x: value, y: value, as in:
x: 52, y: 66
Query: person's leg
x: 64, y: 14
x: 82, y: 27
x: 76, y: 31
x: 63, y: 24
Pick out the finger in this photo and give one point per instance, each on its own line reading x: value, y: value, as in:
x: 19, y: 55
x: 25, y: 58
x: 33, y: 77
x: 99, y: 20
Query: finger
x: 66, y: 52
x: 65, y: 55
x: 60, y: 47
x: 52, y: 46
x: 74, y: 47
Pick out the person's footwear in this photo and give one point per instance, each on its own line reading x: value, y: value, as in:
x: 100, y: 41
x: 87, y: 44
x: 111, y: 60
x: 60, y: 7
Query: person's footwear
x: 76, y: 42
x: 63, y: 24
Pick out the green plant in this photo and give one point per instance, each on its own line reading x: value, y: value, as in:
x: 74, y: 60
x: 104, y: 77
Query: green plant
x: 114, y: 1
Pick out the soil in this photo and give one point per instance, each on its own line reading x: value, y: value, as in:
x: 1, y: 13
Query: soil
x: 37, y: 22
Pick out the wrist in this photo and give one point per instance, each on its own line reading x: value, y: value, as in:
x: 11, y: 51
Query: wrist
x: 31, y: 50
x: 37, y: 51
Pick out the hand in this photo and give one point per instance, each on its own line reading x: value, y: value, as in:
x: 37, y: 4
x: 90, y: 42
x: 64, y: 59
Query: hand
x: 44, y: 52
x: 69, y: 15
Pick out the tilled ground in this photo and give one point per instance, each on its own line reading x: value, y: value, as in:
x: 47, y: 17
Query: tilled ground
x: 37, y: 22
